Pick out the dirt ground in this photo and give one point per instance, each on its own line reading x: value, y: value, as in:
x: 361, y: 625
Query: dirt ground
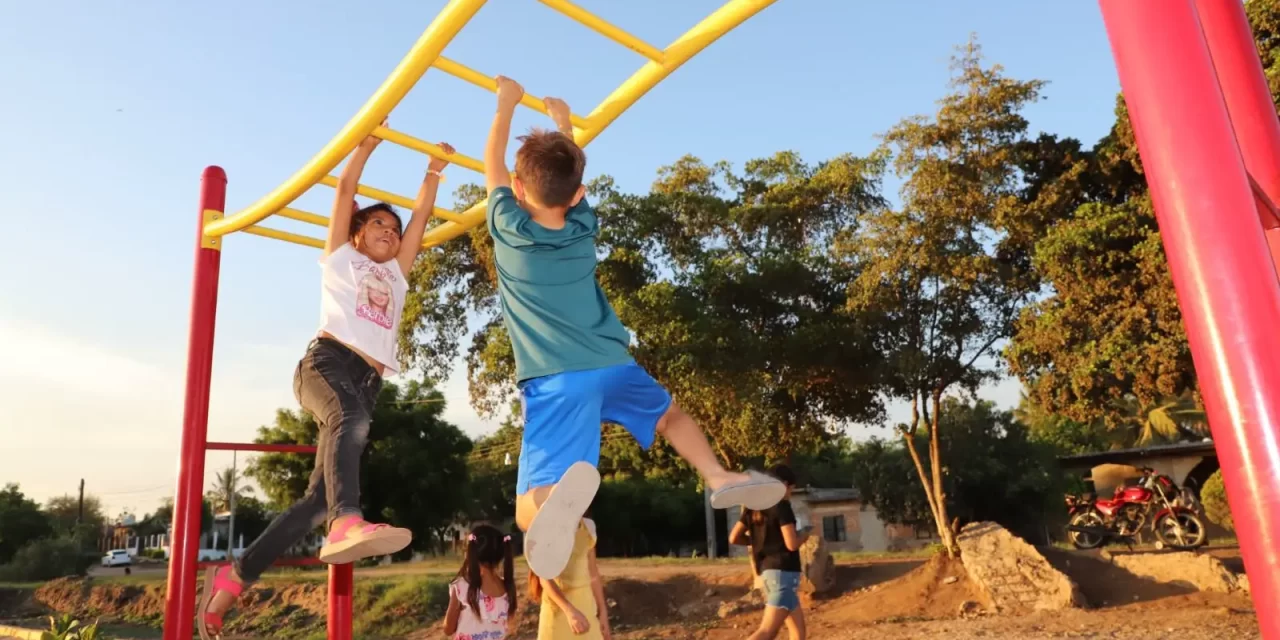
x: 889, y: 599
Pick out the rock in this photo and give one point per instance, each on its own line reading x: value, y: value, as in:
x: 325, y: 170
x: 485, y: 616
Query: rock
x: 969, y: 609
x: 818, y: 568
x: 711, y: 593
x: 1242, y: 583
x: 753, y: 601
x: 1203, y: 572
x: 951, y: 580
x: 1012, y: 573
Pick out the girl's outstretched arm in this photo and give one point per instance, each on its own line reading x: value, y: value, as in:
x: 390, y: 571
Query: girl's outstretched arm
x: 577, y: 621
x: 453, y: 613
x: 345, y: 194
x: 597, y: 590
x: 423, y: 205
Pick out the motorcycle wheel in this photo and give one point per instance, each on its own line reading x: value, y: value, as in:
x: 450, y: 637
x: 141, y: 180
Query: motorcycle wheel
x: 1180, y: 530
x: 1086, y: 540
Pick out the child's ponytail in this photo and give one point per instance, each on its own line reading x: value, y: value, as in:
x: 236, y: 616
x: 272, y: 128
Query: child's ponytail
x: 509, y: 574
x: 474, y: 579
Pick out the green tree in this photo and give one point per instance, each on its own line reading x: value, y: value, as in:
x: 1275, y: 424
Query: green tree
x: 64, y: 516
x: 21, y: 522
x: 162, y: 519
x: 1065, y: 435
x: 995, y: 471
x: 1213, y: 495
x: 413, y: 473
x: 941, y: 270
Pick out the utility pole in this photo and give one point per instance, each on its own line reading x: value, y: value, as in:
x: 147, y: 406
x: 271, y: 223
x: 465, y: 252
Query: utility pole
x: 711, y: 524
x: 231, y: 524
x: 80, y: 511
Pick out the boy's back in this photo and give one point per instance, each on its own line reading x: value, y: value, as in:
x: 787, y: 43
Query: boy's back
x: 555, y: 313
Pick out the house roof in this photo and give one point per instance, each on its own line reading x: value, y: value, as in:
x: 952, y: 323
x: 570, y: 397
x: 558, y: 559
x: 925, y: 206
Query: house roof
x: 1121, y: 456
x: 816, y: 494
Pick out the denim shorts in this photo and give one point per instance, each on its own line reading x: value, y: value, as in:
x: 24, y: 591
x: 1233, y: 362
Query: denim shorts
x: 780, y: 589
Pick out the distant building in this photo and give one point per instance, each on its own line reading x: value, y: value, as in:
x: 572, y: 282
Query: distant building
x: 846, y: 523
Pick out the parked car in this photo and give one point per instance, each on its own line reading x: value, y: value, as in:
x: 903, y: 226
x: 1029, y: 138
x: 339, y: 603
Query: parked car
x: 211, y: 555
x: 117, y: 558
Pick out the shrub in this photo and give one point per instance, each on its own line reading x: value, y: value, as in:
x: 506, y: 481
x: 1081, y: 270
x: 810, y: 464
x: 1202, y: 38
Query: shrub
x: 1213, y: 495
x: 45, y: 560
x: 67, y: 628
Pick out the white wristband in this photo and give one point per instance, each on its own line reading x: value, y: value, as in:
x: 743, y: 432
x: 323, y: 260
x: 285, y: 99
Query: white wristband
x: 433, y: 172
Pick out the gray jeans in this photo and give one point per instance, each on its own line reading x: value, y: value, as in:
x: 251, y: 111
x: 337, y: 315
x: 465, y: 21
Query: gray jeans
x: 334, y: 384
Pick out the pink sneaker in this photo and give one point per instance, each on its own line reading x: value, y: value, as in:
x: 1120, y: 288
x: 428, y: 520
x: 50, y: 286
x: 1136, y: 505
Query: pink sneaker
x: 354, y: 539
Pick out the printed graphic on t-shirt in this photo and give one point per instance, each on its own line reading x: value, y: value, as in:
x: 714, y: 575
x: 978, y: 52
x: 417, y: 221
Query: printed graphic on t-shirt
x: 375, y: 299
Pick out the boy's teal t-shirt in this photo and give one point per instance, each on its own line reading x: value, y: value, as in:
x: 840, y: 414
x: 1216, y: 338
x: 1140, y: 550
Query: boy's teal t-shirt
x: 554, y: 310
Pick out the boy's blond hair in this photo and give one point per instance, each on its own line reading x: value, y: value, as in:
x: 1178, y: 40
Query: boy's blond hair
x: 549, y: 166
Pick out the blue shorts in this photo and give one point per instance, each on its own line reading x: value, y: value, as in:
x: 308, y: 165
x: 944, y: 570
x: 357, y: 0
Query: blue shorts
x: 563, y: 413
x: 780, y: 589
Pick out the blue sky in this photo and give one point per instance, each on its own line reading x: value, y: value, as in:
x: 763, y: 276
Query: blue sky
x: 111, y: 110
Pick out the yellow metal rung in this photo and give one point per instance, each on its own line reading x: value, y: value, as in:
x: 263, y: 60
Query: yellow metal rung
x: 387, y: 196
x: 597, y: 24
x: 480, y: 80
x: 370, y: 192
x: 434, y: 150
x: 303, y: 216
x: 277, y: 234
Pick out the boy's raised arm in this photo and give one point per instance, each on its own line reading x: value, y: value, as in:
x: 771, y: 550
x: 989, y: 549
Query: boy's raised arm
x: 495, y: 151
x: 559, y: 110
x: 345, y: 194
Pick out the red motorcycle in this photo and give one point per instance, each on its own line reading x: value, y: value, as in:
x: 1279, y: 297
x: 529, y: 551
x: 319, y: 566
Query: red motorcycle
x: 1154, y: 498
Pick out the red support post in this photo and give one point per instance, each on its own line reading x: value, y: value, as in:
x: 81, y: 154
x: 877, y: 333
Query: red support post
x: 180, y: 598
x: 1244, y: 87
x: 1219, y: 260
x: 340, y: 587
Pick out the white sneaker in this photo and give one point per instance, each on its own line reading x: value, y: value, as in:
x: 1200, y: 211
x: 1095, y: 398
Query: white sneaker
x: 549, y: 541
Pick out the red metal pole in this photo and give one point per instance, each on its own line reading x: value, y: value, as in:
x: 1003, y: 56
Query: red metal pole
x: 1244, y: 87
x: 1219, y: 260
x: 180, y: 598
x: 340, y: 579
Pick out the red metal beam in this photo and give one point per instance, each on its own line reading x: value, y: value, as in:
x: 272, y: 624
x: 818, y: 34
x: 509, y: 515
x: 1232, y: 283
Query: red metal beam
x: 1219, y: 259
x: 180, y: 598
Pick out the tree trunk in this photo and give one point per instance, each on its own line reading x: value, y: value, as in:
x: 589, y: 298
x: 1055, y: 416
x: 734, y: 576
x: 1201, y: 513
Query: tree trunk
x: 946, y: 530
x: 909, y: 437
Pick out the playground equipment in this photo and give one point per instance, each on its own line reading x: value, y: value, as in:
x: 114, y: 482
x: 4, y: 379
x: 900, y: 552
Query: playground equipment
x: 1210, y: 143
x: 213, y: 226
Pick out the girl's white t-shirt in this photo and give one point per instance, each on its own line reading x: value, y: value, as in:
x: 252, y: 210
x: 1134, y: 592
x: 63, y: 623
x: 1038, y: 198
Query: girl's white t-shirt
x: 361, y: 301
x: 490, y: 624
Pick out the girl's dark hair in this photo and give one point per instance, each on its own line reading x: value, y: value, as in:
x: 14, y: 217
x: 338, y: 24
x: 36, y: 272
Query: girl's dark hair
x: 784, y: 474
x: 486, y: 547
x: 361, y: 217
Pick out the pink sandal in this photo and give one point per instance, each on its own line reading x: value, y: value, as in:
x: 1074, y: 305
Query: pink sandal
x: 356, y: 539
x: 216, y: 579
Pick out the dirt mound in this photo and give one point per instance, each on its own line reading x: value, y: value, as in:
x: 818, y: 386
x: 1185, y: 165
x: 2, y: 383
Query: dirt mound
x: 1106, y: 585
x: 639, y: 603
x: 1184, y: 568
x: 1015, y: 576
x: 936, y: 589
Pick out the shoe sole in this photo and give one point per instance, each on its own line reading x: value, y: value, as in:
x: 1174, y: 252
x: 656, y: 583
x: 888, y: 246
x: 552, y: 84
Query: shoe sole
x: 206, y: 598
x: 379, y: 543
x: 549, y: 541
x: 757, y: 494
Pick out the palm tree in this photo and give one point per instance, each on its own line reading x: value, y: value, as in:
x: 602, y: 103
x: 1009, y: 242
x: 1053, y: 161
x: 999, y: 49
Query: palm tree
x: 1169, y: 419
x: 227, y: 483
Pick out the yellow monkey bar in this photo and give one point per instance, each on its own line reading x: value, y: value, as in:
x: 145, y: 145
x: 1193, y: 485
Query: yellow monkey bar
x: 426, y: 53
